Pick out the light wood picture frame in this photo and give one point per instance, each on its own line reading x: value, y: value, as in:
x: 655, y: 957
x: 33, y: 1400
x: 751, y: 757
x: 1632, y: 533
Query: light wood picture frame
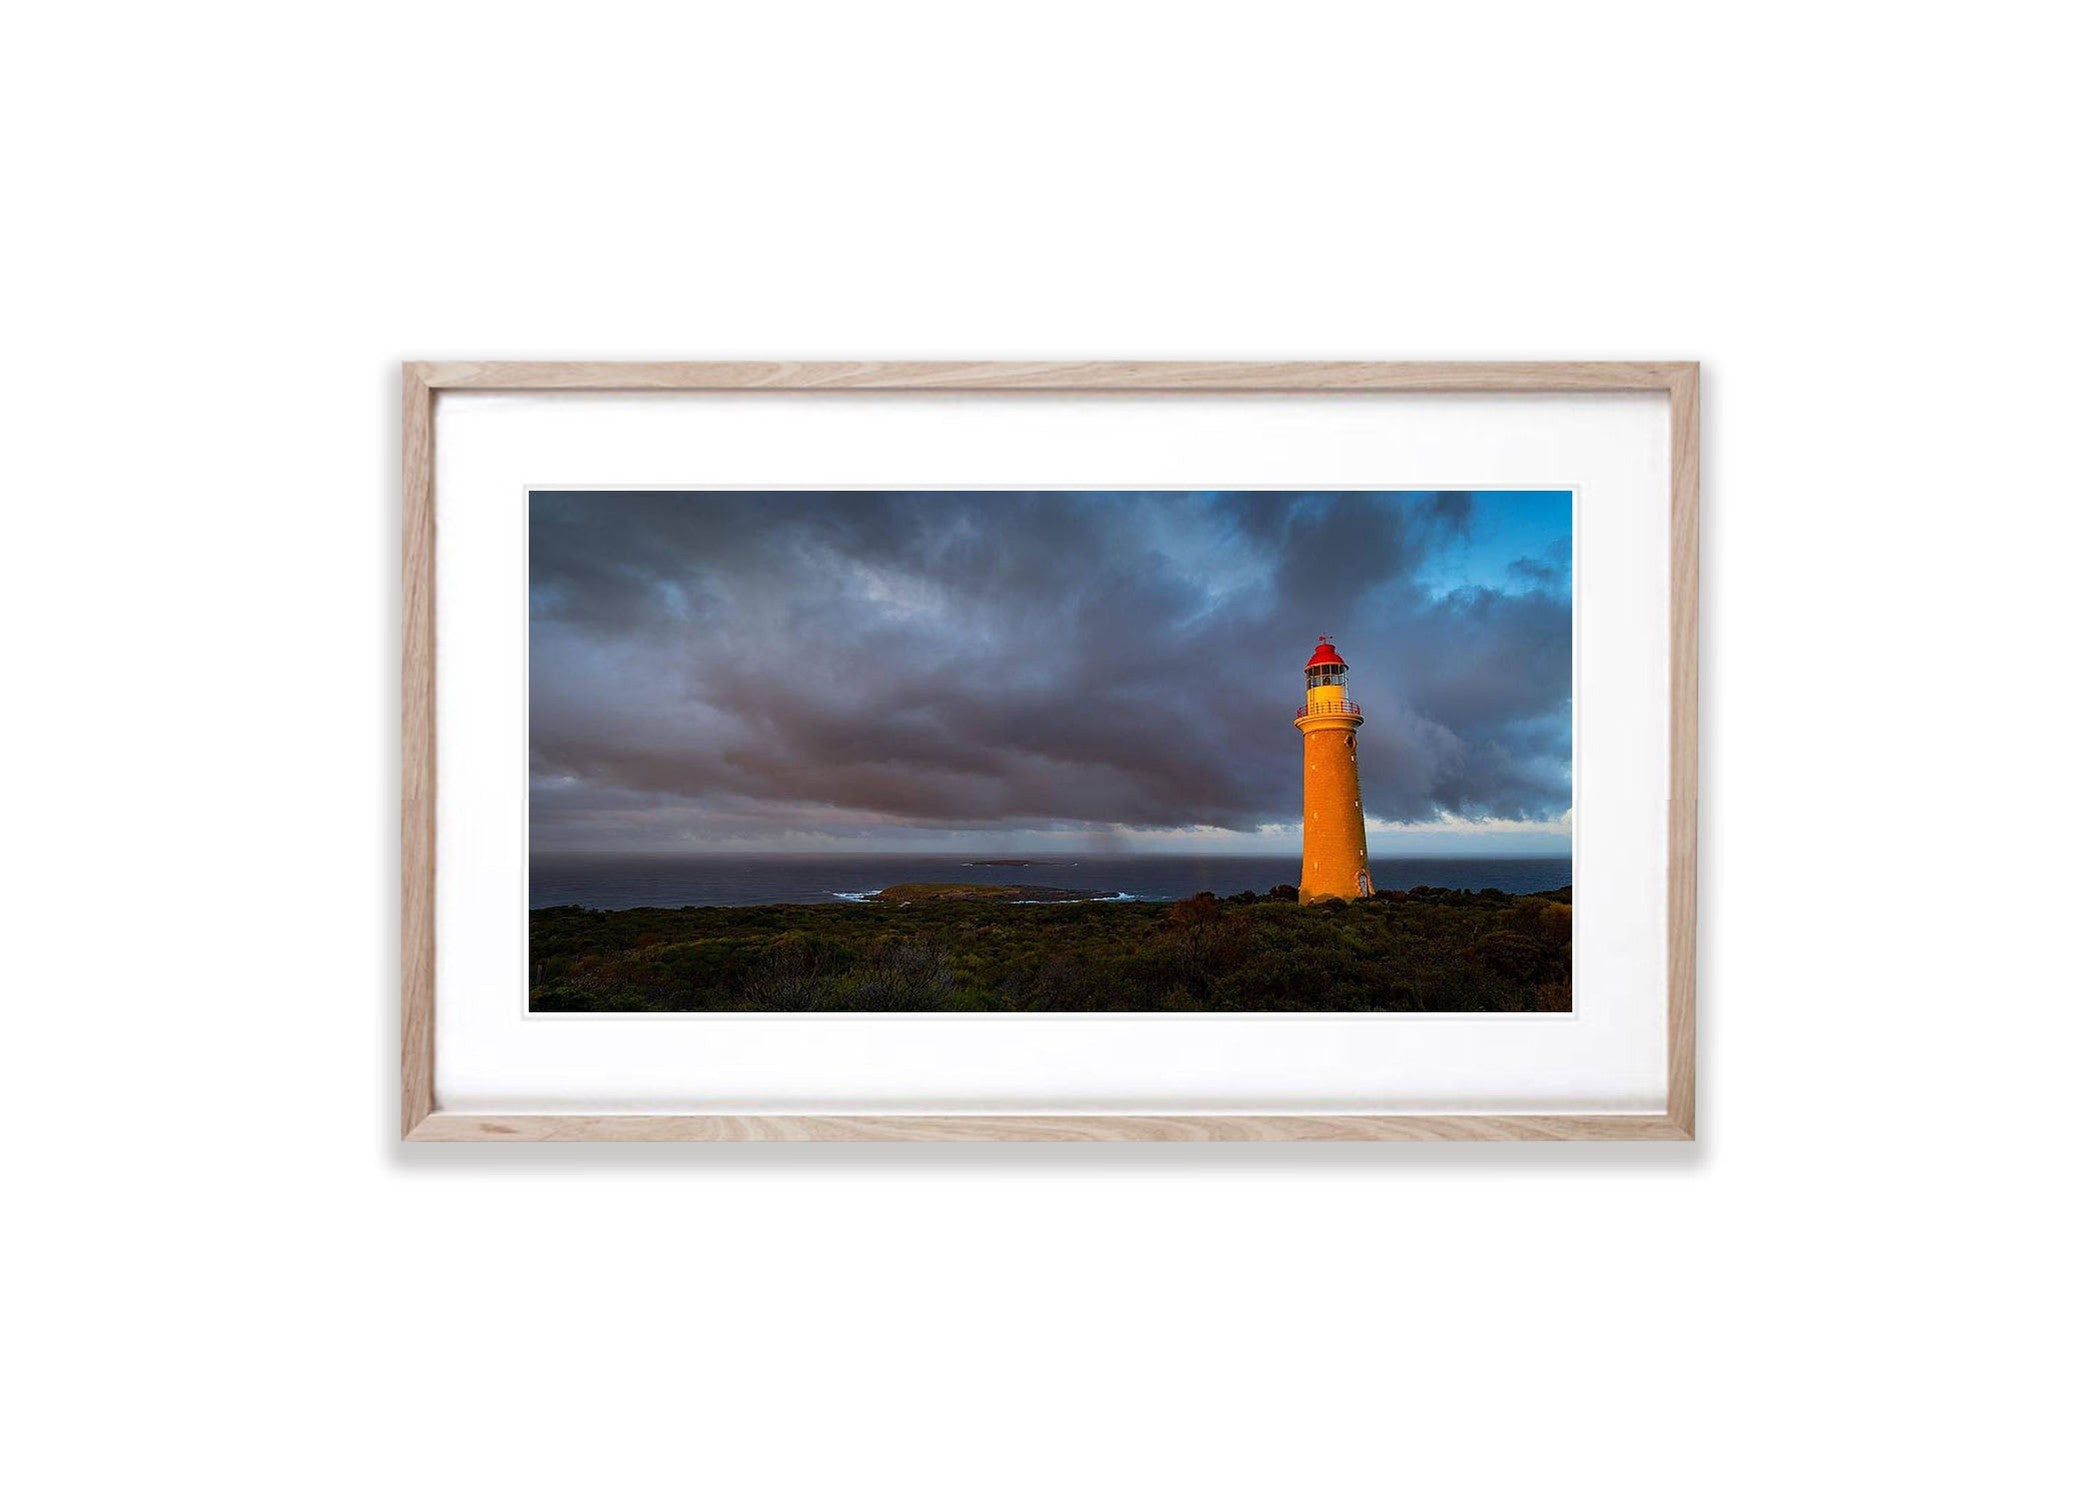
x: 422, y: 383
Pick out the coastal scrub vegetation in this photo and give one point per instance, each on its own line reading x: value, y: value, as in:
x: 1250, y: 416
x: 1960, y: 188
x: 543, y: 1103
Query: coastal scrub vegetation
x: 1426, y: 949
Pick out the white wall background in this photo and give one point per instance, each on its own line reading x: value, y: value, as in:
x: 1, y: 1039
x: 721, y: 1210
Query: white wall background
x: 229, y: 223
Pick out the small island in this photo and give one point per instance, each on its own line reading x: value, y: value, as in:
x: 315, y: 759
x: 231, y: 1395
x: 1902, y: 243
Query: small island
x: 1011, y: 894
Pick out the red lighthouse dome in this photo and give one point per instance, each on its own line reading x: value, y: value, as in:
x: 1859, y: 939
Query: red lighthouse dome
x: 1326, y: 655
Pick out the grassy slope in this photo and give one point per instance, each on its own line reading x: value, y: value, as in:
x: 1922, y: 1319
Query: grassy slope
x: 1428, y: 950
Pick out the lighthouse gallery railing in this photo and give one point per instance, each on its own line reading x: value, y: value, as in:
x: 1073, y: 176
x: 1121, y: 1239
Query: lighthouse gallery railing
x: 1322, y: 710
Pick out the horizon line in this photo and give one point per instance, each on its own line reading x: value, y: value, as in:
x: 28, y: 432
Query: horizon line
x: 1035, y: 855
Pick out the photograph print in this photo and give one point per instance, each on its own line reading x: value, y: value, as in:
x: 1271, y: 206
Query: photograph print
x: 1009, y: 751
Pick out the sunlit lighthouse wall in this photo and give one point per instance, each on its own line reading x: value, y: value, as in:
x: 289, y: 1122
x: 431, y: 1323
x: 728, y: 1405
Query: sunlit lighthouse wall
x: 1337, y: 856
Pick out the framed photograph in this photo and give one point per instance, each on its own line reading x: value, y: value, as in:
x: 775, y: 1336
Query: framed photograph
x: 1020, y: 752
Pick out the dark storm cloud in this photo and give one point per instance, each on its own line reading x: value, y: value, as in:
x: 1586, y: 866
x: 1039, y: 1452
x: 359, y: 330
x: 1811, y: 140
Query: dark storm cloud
x: 737, y: 665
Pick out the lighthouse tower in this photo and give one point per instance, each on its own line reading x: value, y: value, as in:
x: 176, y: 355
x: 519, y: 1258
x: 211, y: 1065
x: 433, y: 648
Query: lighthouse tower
x: 1337, y: 859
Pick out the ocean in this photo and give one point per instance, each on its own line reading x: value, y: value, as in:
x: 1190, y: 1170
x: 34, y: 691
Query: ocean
x: 613, y: 882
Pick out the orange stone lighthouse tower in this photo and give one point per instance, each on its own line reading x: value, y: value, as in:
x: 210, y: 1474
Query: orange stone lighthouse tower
x: 1337, y: 858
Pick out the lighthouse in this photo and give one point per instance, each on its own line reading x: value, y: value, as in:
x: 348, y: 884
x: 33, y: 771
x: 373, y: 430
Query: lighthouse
x: 1337, y: 858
